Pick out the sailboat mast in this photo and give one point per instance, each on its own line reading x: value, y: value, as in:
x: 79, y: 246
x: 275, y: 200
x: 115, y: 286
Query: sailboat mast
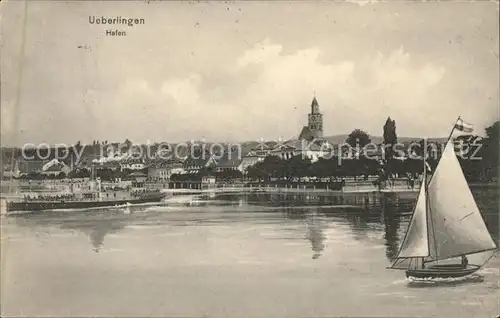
x: 427, y: 205
x: 430, y: 229
x: 424, y: 184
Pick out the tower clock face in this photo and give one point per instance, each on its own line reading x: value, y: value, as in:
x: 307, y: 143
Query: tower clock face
x: 315, y: 117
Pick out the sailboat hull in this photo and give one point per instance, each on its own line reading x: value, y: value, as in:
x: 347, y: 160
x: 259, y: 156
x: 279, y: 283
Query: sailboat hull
x: 442, y: 271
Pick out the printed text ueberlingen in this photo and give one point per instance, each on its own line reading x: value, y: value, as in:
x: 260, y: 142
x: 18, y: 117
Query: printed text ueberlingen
x: 118, y: 20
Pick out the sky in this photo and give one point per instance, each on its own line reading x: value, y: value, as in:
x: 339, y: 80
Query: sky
x: 234, y: 71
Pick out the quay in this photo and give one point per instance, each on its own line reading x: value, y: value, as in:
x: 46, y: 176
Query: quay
x: 211, y: 186
x: 186, y: 189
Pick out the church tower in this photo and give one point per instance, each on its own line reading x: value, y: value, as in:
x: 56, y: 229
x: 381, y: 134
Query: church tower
x: 315, y: 120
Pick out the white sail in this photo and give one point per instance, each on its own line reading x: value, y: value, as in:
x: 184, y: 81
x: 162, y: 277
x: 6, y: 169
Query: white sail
x: 403, y: 263
x: 457, y: 227
x: 415, y: 243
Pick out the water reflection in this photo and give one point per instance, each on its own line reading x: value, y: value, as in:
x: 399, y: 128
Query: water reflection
x: 96, y: 224
x: 97, y: 230
x: 391, y: 226
x: 316, y: 226
x: 364, y: 214
x: 488, y: 201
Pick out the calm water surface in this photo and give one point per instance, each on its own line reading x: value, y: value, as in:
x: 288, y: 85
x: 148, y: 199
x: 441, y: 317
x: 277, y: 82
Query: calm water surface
x: 238, y: 255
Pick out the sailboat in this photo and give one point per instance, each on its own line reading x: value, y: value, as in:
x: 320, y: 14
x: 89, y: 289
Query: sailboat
x: 446, y: 224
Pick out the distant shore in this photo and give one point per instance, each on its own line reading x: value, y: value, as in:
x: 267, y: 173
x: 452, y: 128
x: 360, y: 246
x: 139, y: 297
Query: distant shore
x: 352, y: 186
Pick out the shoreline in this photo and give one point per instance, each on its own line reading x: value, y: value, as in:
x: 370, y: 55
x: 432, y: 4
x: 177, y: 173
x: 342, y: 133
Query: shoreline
x: 351, y: 187
x: 273, y: 190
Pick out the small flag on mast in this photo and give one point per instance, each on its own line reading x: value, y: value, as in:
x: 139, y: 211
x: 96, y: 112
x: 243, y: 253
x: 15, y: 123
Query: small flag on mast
x: 464, y: 126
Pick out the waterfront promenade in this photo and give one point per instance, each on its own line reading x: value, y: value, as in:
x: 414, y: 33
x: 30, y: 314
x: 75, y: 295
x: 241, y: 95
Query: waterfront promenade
x: 18, y: 189
x: 298, y: 189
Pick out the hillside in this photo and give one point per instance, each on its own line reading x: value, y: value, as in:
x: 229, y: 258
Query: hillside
x: 90, y: 151
x: 338, y: 139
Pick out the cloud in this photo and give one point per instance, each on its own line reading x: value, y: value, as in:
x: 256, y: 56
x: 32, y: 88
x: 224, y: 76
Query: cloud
x: 184, y: 91
x: 262, y: 53
x: 349, y: 92
x: 253, y: 79
x: 397, y: 85
x: 275, y: 100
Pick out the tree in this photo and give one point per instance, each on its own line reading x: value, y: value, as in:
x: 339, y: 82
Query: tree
x: 358, y: 138
x: 79, y: 173
x: 297, y: 166
x: 390, y: 137
x: 256, y: 172
x: 185, y: 177
x: 325, y: 168
x: 274, y: 166
x: 493, y: 131
x: 479, y: 156
x: 489, y: 152
x: 228, y: 174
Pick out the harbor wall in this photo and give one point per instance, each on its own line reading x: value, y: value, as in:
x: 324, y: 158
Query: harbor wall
x: 350, y: 186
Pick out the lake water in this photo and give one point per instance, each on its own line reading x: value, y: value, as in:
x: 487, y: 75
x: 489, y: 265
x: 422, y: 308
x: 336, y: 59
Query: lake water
x: 236, y: 255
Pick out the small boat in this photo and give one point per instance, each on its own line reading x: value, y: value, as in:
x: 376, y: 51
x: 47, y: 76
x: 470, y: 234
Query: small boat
x: 446, y: 224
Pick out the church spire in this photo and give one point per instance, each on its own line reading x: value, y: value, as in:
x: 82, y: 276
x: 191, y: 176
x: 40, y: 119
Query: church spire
x: 314, y: 128
x: 314, y: 106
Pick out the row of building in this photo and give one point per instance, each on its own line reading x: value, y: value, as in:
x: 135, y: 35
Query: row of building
x: 118, y: 157
x: 236, y: 159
